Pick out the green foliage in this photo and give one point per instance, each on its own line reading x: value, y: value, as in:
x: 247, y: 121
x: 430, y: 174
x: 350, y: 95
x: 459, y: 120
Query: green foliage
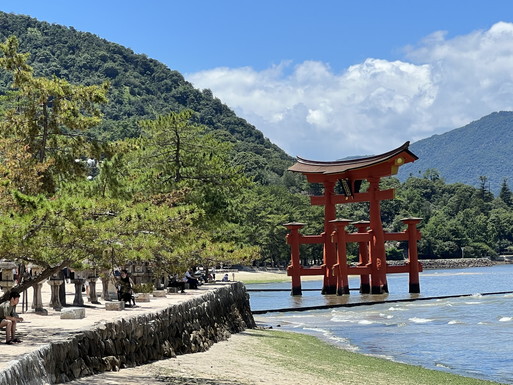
x: 179, y: 154
x: 479, y: 250
x: 505, y: 193
x: 259, y: 217
x: 143, y: 288
x: 394, y: 253
x: 138, y: 204
x: 455, y: 217
x: 51, y: 231
x: 50, y: 115
x: 140, y: 88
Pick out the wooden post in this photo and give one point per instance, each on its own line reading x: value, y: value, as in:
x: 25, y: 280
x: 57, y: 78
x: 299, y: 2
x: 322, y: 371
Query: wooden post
x: 413, y: 237
x: 329, y: 253
x: 377, y: 244
x: 295, y: 263
x: 363, y: 256
x: 340, y: 268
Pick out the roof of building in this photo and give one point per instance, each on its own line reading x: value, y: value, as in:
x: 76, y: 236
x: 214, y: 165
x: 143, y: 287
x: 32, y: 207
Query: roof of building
x: 306, y: 166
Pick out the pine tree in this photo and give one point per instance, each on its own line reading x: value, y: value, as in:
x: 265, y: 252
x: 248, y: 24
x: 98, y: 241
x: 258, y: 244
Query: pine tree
x: 505, y: 193
x: 50, y: 117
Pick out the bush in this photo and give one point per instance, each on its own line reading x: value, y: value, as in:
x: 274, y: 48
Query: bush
x: 394, y: 254
x: 479, y: 250
x: 143, y: 288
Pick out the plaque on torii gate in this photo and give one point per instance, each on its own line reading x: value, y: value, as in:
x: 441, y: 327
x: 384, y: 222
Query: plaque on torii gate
x: 372, y: 263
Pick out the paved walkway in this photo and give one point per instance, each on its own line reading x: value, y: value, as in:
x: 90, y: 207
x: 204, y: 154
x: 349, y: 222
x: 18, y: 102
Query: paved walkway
x: 37, y: 330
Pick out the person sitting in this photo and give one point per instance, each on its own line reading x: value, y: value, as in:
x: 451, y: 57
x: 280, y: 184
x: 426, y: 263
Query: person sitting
x: 225, y: 278
x: 191, y: 280
x: 174, y: 282
x: 125, y: 289
x: 9, y: 318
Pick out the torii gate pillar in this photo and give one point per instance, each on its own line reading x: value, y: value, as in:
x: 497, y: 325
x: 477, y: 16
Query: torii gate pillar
x: 329, y: 253
x: 377, y: 244
x: 295, y: 266
x: 363, y: 256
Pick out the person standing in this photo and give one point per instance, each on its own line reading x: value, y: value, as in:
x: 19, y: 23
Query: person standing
x: 9, y: 318
x: 126, y: 289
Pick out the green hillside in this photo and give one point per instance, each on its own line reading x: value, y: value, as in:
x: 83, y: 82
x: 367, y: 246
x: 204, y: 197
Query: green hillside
x: 481, y: 148
x: 141, y: 88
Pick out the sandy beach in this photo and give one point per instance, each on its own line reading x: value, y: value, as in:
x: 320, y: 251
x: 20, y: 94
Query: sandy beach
x: 256, y: 276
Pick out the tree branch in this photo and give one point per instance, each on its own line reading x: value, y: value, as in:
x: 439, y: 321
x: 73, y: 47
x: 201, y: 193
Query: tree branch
x: 25, y: 284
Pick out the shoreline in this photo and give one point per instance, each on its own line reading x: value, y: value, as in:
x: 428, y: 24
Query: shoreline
x: 251, y: 275
x: 271, y: 356
x: 263, y: 356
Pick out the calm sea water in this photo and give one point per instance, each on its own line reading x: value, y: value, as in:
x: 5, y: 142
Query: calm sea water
x: 471, y: 336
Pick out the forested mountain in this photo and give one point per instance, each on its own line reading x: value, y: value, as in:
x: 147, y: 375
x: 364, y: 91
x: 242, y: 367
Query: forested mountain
x: 482, y: 148
x: 140, y: 88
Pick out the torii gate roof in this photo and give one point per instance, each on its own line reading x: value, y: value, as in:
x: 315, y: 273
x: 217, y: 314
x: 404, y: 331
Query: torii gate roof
x: 363, y: 166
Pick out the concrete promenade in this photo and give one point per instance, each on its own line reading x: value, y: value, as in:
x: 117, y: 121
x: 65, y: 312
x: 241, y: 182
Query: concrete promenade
x: 38, y: 330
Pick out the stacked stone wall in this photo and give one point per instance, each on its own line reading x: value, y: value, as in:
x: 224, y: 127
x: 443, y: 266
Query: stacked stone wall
x: 455, y: 263
x: 188, y: 327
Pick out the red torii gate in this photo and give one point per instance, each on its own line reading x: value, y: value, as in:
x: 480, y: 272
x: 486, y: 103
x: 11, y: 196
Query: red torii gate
x: 372, y: 255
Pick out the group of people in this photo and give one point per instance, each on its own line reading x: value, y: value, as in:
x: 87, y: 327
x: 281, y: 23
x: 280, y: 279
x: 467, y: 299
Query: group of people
x: 193, y: 279
x: 189, y: 278
x: 125, y: 286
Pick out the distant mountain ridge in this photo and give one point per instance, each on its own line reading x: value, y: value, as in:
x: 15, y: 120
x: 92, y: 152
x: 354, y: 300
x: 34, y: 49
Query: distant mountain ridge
x: 481, y: 148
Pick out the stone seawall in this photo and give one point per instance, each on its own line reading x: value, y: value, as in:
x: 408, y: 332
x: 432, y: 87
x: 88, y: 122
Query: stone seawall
x: 456, y: 263
x: 188, y: 327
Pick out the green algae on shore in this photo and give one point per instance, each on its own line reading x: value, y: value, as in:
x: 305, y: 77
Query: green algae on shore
x: 304, y: 353
x: 266, y: 356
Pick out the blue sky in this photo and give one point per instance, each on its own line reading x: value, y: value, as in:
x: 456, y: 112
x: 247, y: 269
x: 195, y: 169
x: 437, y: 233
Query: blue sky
x: 322, y: 79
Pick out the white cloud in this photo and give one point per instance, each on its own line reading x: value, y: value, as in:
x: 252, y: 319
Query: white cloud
x: 377, y: 105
